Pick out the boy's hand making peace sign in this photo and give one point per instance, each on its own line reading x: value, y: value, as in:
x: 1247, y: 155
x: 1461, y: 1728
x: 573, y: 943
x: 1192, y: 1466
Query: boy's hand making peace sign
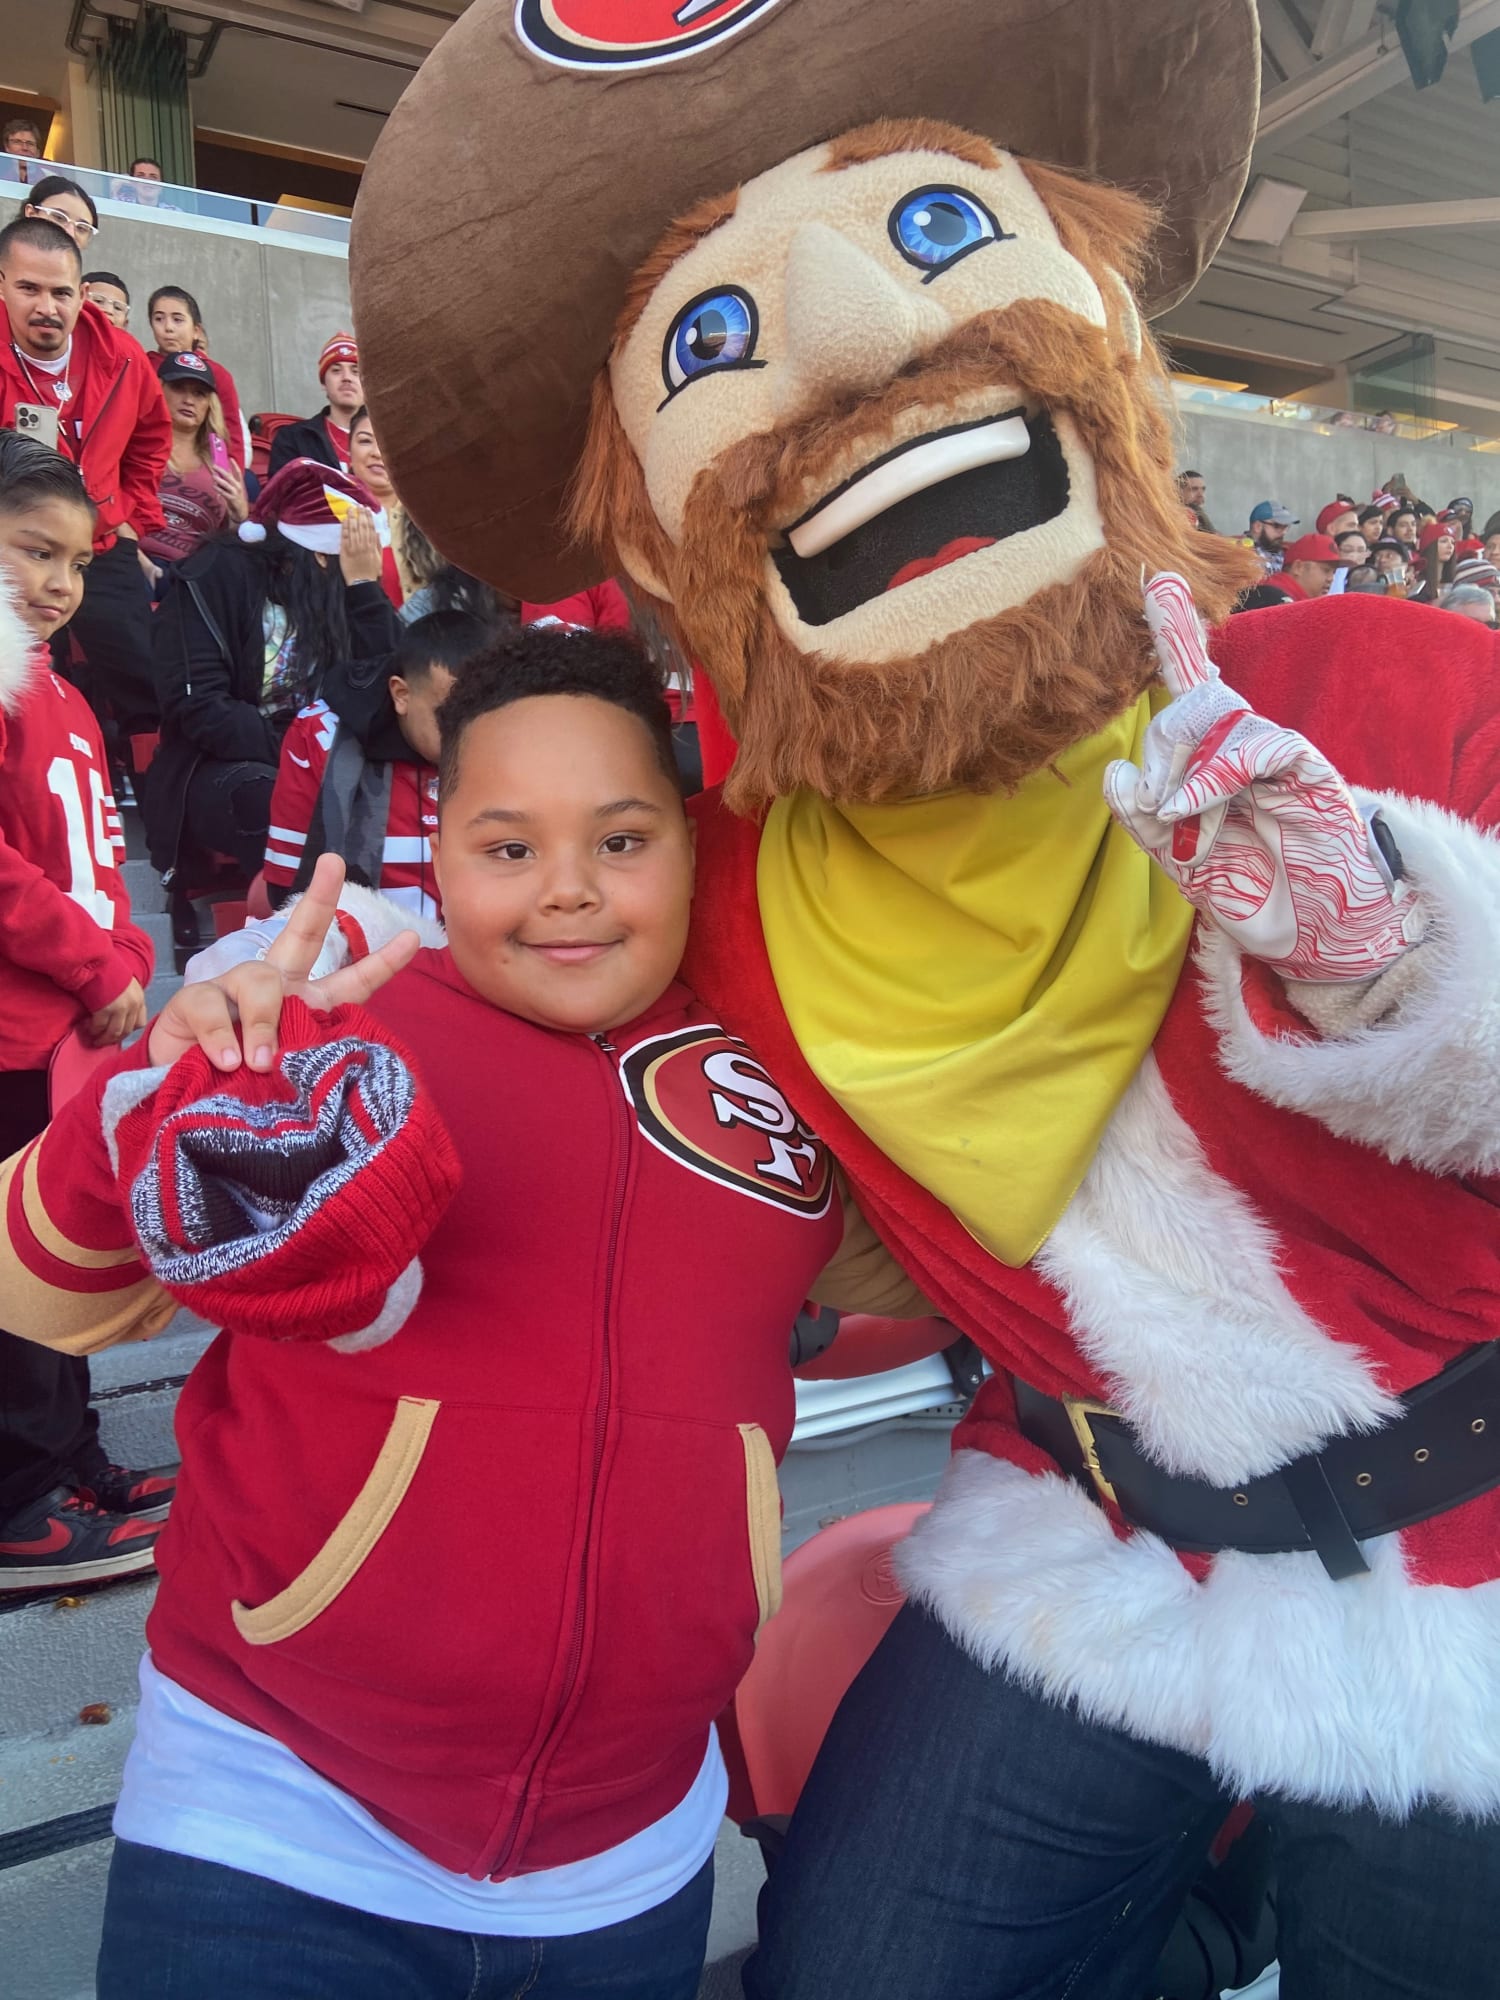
x: 234, y: 1017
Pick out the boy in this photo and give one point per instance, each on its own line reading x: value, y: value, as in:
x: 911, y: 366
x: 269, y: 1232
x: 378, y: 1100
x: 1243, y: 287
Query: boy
x: 372, y: 801
x: 70, y: 959
x: 486, y: 1540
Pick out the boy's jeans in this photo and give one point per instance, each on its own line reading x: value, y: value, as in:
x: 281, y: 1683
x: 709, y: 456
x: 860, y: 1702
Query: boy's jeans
x: 178, y: 1929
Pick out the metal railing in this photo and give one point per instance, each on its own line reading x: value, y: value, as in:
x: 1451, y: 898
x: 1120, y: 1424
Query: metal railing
x: 1313, y: 419
x: 140, y: 200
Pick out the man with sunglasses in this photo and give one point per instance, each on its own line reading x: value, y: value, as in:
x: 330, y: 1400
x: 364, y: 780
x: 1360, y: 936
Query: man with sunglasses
x: 73, y: 379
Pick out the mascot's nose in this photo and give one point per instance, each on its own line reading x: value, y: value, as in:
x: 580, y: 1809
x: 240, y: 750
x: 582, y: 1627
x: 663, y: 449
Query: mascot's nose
x: 849, y: 324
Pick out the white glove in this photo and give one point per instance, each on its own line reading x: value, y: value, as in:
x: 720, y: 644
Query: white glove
x: 1256, y: 828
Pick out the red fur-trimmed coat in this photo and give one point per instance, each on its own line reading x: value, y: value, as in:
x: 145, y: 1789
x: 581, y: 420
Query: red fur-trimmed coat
x: 1277, y: 1237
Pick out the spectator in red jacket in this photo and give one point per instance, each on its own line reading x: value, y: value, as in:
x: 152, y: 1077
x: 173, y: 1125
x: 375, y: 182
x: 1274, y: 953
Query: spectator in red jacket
x: 177, y: 328
x: 69, y: 377
x: 69, y: 958
x: 1312, y: 562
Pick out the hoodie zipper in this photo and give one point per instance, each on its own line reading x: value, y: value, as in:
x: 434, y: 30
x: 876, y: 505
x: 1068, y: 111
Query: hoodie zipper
x: 496, y: 1863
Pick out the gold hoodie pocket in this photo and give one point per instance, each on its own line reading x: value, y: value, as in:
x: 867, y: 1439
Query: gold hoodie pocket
x: 338, y: 1561
x: 763, y: 1511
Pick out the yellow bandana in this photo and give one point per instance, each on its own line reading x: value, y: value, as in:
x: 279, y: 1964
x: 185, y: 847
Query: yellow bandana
x: 976, y: 980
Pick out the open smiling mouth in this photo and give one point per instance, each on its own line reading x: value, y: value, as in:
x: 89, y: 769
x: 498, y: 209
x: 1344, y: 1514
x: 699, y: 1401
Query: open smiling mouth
x: 922, y: 506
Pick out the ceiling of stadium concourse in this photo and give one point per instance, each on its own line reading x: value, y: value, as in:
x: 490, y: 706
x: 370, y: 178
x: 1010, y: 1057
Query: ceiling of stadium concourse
x: 1399, y: 231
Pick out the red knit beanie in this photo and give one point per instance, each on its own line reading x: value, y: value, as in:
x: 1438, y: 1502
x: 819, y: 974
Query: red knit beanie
x: 290, y: 1202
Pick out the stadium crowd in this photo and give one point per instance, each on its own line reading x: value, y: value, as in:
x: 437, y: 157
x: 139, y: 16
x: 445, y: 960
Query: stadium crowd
x: 1394, y: 545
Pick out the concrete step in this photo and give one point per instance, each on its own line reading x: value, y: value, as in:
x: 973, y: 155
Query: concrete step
x: 158, y: 927
x: 50, y: 1913
x: 141, y: 879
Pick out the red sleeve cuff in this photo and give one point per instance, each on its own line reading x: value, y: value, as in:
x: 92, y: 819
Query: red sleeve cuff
x: 107, y: 985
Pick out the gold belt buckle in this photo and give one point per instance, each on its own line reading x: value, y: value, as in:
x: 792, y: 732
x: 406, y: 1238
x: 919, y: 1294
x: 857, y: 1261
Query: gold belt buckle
x: 1081, y: 1413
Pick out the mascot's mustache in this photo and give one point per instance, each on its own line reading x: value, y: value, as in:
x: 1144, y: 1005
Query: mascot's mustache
x: 770, y: 478
x: 999, y: 698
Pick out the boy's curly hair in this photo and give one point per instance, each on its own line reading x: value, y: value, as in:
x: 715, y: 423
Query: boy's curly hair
x: 555, y: 659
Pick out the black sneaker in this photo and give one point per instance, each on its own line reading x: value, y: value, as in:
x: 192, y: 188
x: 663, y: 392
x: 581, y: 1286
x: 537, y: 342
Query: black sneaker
x: 64, y: 1538
x: 143, y: 1496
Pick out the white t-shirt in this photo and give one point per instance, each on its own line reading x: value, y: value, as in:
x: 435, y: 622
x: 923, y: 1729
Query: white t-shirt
x: 199, y: 1784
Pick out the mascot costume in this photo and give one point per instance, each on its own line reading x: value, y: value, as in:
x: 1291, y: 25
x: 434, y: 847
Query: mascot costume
x: 1148, y: 999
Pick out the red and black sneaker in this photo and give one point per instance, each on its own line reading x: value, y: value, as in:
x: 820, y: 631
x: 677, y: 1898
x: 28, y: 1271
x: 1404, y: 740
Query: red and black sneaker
x: 64, y: 1538
x: 143, y: 1496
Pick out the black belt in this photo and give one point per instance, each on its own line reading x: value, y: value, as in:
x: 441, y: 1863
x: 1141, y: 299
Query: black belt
x: 1442, y: 1450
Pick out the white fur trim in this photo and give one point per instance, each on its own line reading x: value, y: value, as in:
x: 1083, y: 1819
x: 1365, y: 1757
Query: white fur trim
x: 121, y: 1095
x: 18, y: 650
x: 1373, y: 1691
x: 1174, y: 1295
x: 1423, y: 1085
x: 393, y: 1315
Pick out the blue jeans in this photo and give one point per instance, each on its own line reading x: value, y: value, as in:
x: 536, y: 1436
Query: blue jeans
x: 178, y: 1929
x: 961, y: 1838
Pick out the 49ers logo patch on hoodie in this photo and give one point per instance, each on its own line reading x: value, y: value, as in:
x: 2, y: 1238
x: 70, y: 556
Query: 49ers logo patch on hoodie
x: 702, y: 1097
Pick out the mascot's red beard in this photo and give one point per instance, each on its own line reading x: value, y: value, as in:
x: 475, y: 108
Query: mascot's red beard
x: 982, y: 708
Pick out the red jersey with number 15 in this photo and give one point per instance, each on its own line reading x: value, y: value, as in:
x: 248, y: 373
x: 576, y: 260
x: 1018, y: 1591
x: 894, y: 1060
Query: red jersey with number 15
x: 67, y: 945
x: 406, y: 858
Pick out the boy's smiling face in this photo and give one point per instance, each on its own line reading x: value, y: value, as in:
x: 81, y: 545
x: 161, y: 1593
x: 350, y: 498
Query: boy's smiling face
x: 565, y: 862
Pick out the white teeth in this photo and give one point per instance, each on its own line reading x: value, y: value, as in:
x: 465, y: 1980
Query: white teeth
x: 912, y: 471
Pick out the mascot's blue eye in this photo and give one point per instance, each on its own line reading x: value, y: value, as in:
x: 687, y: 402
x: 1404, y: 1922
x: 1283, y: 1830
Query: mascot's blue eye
x: 715, y: 330
x: 936, y: 225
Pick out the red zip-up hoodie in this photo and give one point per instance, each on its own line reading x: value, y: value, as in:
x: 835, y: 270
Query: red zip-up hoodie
x: 496, y: 1578
x: 114, y: 426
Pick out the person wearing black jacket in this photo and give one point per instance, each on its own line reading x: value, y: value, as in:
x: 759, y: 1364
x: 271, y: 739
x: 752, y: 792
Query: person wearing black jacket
x: 243, y: 637
x: 325, y: 437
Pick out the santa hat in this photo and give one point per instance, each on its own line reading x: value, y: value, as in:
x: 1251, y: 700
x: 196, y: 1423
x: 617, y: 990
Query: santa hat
x: 309, y: 502
x: 291, y: 1202
x: 337, y: 347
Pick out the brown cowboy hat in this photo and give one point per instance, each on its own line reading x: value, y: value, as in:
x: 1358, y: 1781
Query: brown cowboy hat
x: 545, y: 146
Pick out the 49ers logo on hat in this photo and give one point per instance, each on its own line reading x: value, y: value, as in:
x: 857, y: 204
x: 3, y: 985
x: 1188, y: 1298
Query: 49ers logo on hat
x: 629, y: 34
x: 702, y: 1097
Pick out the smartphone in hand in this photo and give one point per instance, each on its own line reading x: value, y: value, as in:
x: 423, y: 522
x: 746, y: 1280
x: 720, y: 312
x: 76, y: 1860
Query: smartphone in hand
x: 218, y: 452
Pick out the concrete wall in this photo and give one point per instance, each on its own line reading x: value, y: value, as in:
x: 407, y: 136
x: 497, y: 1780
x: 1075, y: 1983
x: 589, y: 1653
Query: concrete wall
x: 1245, y: 461
x: 269, y: 302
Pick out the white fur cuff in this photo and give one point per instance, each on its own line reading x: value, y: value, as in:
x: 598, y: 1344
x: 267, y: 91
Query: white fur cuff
x: 1417, y: 1075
